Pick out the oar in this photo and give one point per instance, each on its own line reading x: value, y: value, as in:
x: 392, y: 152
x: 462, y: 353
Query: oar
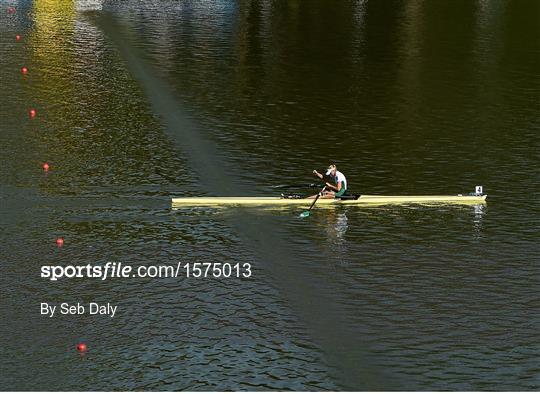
x: 305, y: 214
x: 297, y: 186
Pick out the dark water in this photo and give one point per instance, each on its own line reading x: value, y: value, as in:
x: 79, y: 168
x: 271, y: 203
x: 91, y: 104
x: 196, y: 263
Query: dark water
x: 141, y: 101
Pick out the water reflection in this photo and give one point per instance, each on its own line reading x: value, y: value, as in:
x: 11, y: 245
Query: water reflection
x: 479, y: 212
x: 89, y: 5
x: 336, y: 224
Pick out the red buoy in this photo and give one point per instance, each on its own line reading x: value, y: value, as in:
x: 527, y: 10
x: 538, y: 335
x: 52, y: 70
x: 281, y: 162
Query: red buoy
x: 24, y: 70
x: 32, y: 113
x: 11, y: 10
x: 18, y: 37
x: 81, y: 347
x: 45, y: 166
x: 60, y: 242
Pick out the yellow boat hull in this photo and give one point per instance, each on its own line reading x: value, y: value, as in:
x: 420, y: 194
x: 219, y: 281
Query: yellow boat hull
x: 362, y: 200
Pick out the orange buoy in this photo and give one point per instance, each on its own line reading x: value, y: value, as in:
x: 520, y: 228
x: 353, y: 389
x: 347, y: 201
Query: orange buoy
x: 45, y: 166
x: 24, y: 70
x: 18, y: 37
x: 32, y: 113
x: 81, y: 347
x: 60, y: 242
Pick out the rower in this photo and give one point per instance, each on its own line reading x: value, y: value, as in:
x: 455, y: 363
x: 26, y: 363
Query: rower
x: 339, y: 188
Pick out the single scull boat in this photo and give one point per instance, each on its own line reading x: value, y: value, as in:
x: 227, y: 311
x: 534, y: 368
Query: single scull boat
x: 348, y: 200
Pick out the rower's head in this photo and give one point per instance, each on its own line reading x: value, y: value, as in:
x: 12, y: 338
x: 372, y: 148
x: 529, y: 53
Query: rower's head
x: 331, y: 170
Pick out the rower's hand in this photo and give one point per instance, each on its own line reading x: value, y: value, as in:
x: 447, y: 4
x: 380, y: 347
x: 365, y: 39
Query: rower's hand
x: 315, y: 172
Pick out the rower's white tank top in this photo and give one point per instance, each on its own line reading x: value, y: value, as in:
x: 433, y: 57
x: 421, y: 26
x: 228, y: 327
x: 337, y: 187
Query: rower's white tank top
x: 341, y: 178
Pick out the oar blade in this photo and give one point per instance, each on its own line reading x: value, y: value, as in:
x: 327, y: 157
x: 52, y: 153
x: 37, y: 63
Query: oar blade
x: 304, y: 214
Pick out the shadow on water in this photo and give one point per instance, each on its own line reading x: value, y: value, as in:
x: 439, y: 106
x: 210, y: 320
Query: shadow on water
x: 314, y: 301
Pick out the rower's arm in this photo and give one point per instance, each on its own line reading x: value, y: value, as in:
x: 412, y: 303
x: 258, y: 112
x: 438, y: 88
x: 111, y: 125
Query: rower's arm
x: 333, y: 187
x: 318, y: 174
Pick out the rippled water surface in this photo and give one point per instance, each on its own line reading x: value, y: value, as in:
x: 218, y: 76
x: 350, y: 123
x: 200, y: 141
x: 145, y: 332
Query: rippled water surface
x: 139, y: 101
